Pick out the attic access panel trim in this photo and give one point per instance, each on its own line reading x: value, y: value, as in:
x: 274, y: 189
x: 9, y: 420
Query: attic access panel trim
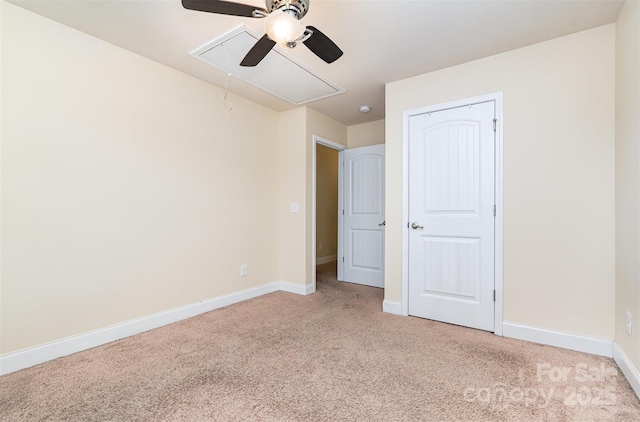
x: 278, y: 73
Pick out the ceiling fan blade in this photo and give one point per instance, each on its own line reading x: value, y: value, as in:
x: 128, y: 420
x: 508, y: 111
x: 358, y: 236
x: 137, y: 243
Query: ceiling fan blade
x: 258, y: 51
x: 223, y: 8
x: 322, y: 46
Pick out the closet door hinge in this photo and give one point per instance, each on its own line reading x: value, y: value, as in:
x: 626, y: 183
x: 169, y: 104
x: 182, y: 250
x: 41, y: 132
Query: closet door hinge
x: 494, y: 295
x: 494, y: 210
x: 495, y: 124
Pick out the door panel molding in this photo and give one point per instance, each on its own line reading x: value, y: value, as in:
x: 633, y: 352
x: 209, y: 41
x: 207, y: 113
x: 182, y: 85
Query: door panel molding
x: 497, y: 98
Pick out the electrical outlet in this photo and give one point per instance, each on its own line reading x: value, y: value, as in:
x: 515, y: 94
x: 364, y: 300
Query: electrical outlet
x: 243, y: 270
x: 629, y: 323
x: 320, y: 246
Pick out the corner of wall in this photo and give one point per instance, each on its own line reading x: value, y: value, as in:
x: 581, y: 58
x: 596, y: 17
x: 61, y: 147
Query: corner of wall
x: 365, y: 134
x: 291, y: 170
x: 627, y: 169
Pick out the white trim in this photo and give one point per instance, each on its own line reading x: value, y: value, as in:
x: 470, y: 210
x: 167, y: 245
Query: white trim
x: 299, y: 289
x: 21, y: 359
x: 326, y: 259
x: 628, y: 370
x: 404, y: 300
x: 340, y: 272
x: 327, y: 143
x: 32, y: 356
x: 391, y: 307
x: 499, y: 220
x: 591, y: 345
x: 496, y: 97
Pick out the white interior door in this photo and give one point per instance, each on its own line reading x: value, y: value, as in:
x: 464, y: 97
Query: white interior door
x: 363, y: 220
x: 451, y: 215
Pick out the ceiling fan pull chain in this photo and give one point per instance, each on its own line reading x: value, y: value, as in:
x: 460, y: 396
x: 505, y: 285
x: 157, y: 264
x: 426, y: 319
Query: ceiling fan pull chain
x: 227, y: 104
x: 226, y: 68
x: 291, y: 60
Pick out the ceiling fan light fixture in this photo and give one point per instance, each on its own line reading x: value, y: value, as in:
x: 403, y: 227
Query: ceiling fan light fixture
x: 282, y: 27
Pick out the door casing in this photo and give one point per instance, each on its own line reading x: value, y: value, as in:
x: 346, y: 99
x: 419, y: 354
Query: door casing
x: 499, y: 220
x: 339, y: 147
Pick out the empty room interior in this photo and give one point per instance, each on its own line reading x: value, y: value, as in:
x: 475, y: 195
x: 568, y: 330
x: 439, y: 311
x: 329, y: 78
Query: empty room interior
x: 406, y: 210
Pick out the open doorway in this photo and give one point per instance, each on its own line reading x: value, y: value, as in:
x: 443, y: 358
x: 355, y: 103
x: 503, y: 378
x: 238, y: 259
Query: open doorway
x: 348, y: 186
x: 326, y: 205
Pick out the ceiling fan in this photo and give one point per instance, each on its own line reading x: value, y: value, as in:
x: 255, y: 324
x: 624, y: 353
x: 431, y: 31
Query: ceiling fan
x: 281, y: 27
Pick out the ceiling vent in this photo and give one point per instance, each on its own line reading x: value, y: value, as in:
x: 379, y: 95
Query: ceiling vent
x: 278, y: 73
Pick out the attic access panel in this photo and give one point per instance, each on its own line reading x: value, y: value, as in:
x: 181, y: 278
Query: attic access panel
x: 278, y: 73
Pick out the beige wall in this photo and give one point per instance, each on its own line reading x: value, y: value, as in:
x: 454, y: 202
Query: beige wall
x: 366, y: 134
x: 127, y: 188
x: 559, y: 130
x: 326, y: 202
x: 628, y: 178
x: 2, y: 3
x: 292, y: 167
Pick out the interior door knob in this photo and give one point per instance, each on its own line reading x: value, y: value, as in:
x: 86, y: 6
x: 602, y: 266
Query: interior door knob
x: 415, y: 226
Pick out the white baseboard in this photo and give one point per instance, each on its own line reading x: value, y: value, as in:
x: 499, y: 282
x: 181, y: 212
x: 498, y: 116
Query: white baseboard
x: 299, y: 289
x: 391, y: 307
x: 628, y: 370
x: 592, y: 345
x: 326, y: 259
x: 21, y: 359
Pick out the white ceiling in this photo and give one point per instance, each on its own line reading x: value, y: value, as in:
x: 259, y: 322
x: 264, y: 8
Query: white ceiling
x: 383, y: 41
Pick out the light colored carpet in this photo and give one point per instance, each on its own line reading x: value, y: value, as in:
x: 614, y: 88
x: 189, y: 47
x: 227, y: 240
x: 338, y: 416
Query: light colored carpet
x: 330, y: 356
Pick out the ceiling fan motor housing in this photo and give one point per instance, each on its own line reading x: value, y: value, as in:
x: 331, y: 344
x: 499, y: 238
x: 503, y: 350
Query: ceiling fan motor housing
x: 298, y: 8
